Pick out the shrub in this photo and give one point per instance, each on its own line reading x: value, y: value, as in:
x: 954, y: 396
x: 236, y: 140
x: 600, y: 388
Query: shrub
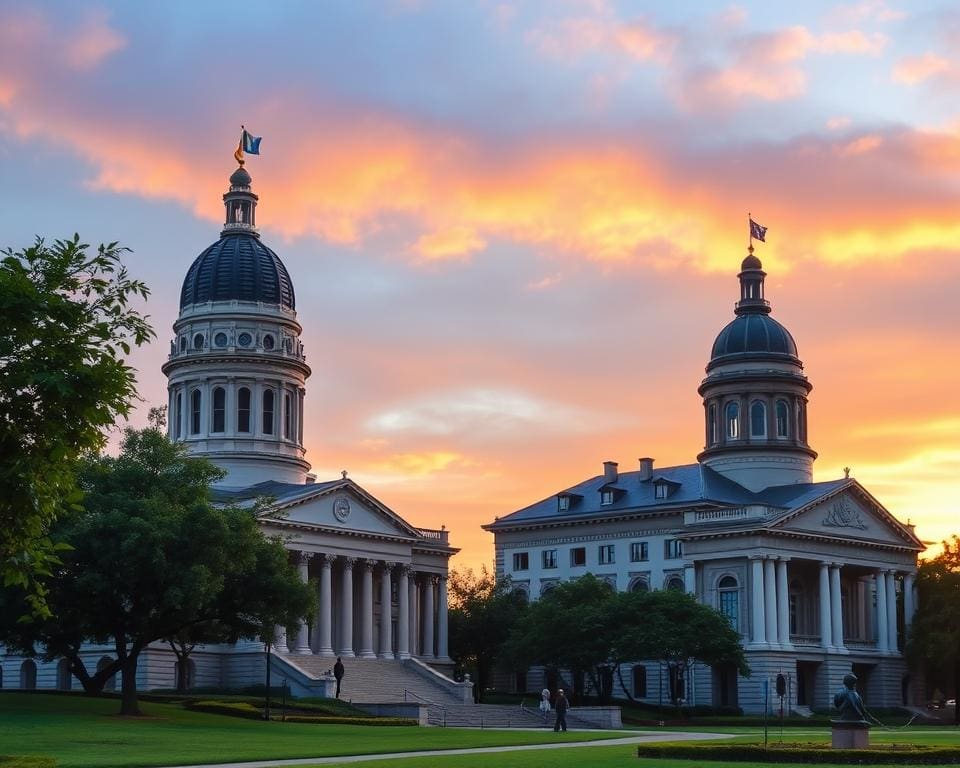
x: 814, y: 754
x: 34, y: 761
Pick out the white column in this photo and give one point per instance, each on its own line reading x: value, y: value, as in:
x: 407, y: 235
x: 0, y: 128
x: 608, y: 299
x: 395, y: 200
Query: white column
x: 427, y: 616
x: 442, y: 650
x: 826, y: 632
x: 386, y: 613
x: 413, y: 593
x: 783, y: 602
x: 770, y: 599
x: 280, y: 639
x: 366, y: 612
x: 403, y: 614
x: 346, y: 608
x: 836, y: 609
x: 325, y: 618
x: 882, y: 637
x: 303, y: 631
x: 909, y: 605
x: 689, y: 579
x: 756, y: 604
x: 892, y: 611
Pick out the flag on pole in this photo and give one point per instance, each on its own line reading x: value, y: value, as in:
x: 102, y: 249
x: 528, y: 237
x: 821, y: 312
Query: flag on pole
x: 757, y: 232
x: 248, y: 143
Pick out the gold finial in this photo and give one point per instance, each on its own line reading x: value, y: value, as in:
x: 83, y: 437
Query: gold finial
x: 846, y: 473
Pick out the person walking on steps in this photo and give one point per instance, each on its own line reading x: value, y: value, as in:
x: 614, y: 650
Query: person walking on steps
x: 338, y: 673
x: 561, y: 705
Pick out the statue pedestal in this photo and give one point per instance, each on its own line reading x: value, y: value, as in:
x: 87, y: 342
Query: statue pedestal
x: 850, y: 734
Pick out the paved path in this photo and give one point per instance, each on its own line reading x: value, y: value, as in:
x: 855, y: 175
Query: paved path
x: 636, y: 737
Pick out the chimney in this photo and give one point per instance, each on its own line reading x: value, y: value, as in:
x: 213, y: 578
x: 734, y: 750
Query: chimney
x: 610, y: 471
x: 646, y: 469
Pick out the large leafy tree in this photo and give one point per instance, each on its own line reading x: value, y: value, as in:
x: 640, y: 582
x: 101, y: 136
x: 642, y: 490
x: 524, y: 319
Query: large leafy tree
x: 68, y: 325
x: 933, y: 640
x: 150, y: 558
x: 482, y: 611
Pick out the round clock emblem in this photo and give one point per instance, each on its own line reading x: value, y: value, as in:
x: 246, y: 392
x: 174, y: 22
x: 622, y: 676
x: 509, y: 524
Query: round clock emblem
x: 341, y: 508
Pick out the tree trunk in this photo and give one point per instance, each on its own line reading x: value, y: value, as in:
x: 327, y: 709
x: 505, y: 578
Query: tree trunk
x: 956, y: 689
x: 128, y: 701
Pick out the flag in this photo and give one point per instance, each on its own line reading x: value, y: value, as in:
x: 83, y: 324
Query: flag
x: 757, y: 232
x: 248, y: 143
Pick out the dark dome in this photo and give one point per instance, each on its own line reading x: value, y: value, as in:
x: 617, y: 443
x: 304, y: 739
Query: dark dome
x: 754, y: 333
x: 238, y: 267
x: 751, y: 262
x: 240, y: 178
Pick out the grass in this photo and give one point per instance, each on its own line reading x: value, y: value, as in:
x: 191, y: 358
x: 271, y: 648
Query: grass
x: 78, y: 732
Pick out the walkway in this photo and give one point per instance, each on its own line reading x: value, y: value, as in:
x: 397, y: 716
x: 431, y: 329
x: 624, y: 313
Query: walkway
x: 640, y: 737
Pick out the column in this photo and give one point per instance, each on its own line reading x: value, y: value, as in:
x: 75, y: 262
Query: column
x: 403, y: 613
x: 689, y: 579
x: 442, y: 650
x: 770, y: 599
x: 892, y: 611
x: 325, y: 617
x: 826, y: 632
x: 280, y: 639
x: 836, y: 610
x: 882, y: 636
x: 346, y: 608
x: 426, y: 613
x: 412, y: 593
x: 909, y: 605
x: 756, y: 604
x: 783, y: 602
x: 366, y: 612
x: 386, y: 613
x: 303, y: 631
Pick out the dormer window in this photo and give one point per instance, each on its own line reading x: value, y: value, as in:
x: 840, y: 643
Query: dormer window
x: 563, y: 502
x: 661, y: 491
x: 606, y: 498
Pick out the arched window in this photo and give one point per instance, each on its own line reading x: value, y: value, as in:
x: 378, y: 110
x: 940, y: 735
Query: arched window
x: 733, y: 421
x: 640, y: 585
x: 64, y: 678
x: 729, y: 600
x: 183, y: 343
x: 111, y: 684
x: 675, y: 583
x: 783, y: 419
x: 219, y: 409
x: 268, y: 412
x: 287, y: 415
x: 758, y: 419
x: 28, y: 675
x: 713, y: 428
x: 243, y: 409
x: 178, y: 417
x: 268, y: 342
x: 195, y: 399
x: 198, y: 341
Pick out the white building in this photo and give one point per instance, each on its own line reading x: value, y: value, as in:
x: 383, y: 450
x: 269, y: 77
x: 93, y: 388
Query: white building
x: 817, y: 577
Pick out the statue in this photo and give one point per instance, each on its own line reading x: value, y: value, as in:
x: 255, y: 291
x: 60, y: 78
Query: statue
x: 849, y: 703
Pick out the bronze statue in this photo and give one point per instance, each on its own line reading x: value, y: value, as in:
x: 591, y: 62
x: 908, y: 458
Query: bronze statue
x: 849, y: 703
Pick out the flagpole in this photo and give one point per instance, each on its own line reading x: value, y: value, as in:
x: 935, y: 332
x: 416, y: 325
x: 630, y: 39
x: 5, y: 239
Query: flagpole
x: 750, y: 230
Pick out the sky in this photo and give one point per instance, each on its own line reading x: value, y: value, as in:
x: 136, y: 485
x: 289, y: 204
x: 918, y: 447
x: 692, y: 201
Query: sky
x: 514, y: 228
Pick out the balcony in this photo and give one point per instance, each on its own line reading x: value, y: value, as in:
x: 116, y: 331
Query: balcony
x: 431, y: 534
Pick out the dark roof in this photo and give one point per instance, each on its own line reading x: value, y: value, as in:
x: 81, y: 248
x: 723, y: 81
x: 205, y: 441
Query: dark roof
x: 238, y: 267
x: 753, y: 333
x: 280, y: 492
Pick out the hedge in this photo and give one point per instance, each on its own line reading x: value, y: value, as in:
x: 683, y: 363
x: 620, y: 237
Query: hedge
x: 251, y: 712
x: 34, y: 761
x: 754, y: 753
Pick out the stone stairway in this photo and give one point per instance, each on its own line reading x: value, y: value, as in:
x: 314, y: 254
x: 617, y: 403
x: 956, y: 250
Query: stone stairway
x: 498, y: 716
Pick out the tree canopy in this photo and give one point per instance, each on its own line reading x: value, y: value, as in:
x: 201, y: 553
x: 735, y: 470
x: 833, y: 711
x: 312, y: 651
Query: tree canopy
x: 67, y: 328
x: 151, y: 558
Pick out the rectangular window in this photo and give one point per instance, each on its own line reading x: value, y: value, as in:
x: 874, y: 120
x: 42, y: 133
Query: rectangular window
x: 729, y: 607
x: 606, y: 498
x: 639, y: 552
x: 549, y: 558
x: 563, y: 503
x: 672, y: 549
x: 521, y: 561
x: 660, y: 491
x: 578, y: 556
x: 606, y: 554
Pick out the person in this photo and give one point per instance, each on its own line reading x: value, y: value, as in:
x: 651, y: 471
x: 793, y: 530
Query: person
x: 338, y: 673
x: 562, y: 705
x: 545, y: 702
x: 849, y: 703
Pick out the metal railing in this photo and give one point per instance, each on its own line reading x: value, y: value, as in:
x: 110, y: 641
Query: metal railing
x: 407, y: 692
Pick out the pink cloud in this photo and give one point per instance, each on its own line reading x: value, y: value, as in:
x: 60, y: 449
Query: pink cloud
x: 93, y: 41
x: 912, y: 70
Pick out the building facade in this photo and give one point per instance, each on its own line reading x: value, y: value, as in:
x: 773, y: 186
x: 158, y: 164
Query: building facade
x: 817, y: 577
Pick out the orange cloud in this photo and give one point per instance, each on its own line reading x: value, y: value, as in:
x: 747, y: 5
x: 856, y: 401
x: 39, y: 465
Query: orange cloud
x: 915, y: 69
x: 92, y: 42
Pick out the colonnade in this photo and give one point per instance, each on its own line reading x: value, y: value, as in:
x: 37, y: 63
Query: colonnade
x: 409, y: 614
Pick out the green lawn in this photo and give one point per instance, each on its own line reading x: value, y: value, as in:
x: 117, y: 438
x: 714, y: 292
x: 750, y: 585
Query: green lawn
x: 86, y: 732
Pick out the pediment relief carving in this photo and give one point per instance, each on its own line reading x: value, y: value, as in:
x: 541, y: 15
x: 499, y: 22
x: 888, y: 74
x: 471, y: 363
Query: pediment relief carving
x: 842, y: 514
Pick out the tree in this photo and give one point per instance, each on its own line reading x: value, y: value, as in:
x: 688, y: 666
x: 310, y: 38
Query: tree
x: 482, y: 611
x: 151, y: 558
x: 67, y: 327
x: 933, y: 639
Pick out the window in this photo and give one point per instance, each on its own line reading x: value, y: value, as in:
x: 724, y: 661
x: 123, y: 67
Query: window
x: 606, y: 498
x: 672, y: 549
x: 220, y: 339
x: 219, y: 406
x: 195, y: 398
x: 782, y: 418
x: 287, y: 415
x: 28, y: 675
x: 183, y: 343
x: 563, y: 503
x: 549, y: 558
x: 758, y: 419
x: 640, y: 585
x: 729, y: 599
x: 244, y: 339
x: 675, y: 583
x: 640, y: 681
x: 578, y: 556
x: 268, y: 342
x: 243, y: 410
x: 712, y: 421
x: 198, y: 341
x: 606, y: 554
x: 521, y: 561
x: 733, y: 421
x: 639, y: 551
x: 268, y: 412
x: 661, y: 490
x: 178, y: 416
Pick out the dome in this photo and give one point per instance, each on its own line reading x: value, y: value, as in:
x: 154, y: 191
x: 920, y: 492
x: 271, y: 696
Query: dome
x: 238, y: 267
x: 751, y: 262
x: 240, y: 178
x: 753, y: 333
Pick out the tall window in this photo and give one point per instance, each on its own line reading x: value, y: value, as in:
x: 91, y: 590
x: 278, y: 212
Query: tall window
x: 733, y: 421
x: 549, y: 558
x: 268, y: 412
x: 639, y: 551
x: 521, y: 561
x: 606, y: 554
x: 640, y: 681
x: 287, y: 415
x: 578, y: 556
x: 730, y: 600
x: 783, y: 418
x: 243, y: 410
x: 178, y: 416
x: 219, y: 405
x: 712, y: 419
x: 195, y: 412
x: 672, y: 549
x: 758, y: 419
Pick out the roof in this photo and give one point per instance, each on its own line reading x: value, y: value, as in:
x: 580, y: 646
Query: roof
x: 753, y: 333
x: 277, y: 491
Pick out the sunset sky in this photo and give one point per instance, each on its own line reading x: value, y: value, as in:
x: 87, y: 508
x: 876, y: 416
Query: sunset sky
x: 514, y: 228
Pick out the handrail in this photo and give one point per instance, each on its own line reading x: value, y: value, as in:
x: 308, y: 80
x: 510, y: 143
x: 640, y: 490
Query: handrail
x: 427, y: 702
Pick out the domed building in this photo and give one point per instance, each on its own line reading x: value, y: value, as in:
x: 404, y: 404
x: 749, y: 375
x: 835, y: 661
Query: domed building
x: 817, y: 577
